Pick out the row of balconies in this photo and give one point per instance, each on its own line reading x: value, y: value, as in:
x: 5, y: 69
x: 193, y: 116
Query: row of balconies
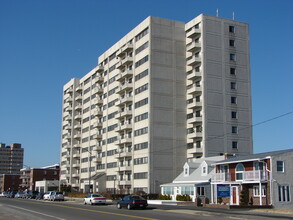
x: 126, y: 48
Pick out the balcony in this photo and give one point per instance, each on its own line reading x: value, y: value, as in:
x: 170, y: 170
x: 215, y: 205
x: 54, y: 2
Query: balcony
x: 193, y: 60
x: 98, y: 136
x: 193, y: 46
x: 125, y: 127
x: 194, y: 89
x: 77, y: 136
x: 126, y: 48
x: 194, y: 104
x: 78, y: 117
x: 78, y: 89
x: 193, y: 33
x: 78, y: 107
x: 98, y: 90
x: 194, y: 75
x: 74, y: 175
x: 194, y: 135
x: 70, y: 90
x: 77, y: 127
x: 123, y: 155
x: 194, y: 120
x: 76, y: 165
x: 98, y: 101
x: 124, y: 75
x: 124, y: 87
x: 124, y: 62
x: 69, y: 109
x: 194, y: 151
x: 100, y: 68
x: 97, y: 124
x: 248, y: 176
x: 125, y: 168
x: 70, y: 99
x: 123, y: 114
x: 78, y: 98
x: 69, y: 118
x: 125, y: 100
x: 97, y: 148
x: 98, y: 112
x: 67, y: 136
x: 97, y: 160
x: 124, y: 182
x: 123, y: 141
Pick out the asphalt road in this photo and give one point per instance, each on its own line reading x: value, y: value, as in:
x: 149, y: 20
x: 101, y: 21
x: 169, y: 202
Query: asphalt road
x: 20, y: 209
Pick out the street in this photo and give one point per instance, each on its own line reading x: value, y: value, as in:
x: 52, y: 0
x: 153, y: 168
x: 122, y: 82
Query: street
x: 44, y: 210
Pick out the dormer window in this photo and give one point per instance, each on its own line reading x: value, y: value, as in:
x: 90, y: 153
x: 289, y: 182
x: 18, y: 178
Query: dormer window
x: 186, y: 171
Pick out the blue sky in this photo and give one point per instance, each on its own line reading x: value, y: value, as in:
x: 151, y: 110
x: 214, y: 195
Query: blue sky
x: 43, y: 44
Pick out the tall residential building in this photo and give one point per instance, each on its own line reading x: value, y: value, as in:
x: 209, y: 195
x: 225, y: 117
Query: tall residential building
x: 11, y: 158
x: 165, y: 93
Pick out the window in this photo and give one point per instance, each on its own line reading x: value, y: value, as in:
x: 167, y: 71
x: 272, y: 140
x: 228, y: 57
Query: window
x: 234, y: 115
x: 141, y: 61
x: 140, y: 175
x: 141, y: 48
x: 142, y: 160
x: 256, y: 191
x: 232, y: 43
x: 200, y: 191
x: 141, y: 75
x: 239, y: 171
x: 141, y: 131
x: 232, y: 57
x: 233, y: 85
x: 234, y: 129
x: 234, y: 145
x: 187, y: 190
x: 232, y: 71
x: 284, y: 193
x: 280, y: 166
x: 204, y: 170
x: 233, y: 100
x: 142, y: 34
x: 231, y: 29
x: 141, y: 103
x: 168, y: 190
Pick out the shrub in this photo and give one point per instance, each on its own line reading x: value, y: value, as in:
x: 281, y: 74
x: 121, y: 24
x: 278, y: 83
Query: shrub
x: 183, y: 198
x: 220, y: 200
x: 165, y: 197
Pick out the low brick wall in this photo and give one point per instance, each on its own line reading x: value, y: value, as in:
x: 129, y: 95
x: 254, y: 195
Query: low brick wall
x: 217, y: 206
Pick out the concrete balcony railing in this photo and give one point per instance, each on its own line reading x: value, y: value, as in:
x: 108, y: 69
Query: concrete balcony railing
x: 193, y: 33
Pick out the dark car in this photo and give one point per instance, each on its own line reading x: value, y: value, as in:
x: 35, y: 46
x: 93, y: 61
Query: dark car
x: 30, y: 194
x: 39, y: 196
x: 132, y: 202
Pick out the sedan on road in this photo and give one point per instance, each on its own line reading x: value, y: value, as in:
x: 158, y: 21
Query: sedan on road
x: 57, y: 196
x: 94, y: 199
x: 132, y: 202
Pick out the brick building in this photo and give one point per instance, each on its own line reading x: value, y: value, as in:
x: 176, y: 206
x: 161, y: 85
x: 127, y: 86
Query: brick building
x: 30, y: 176
x: 9, y: 182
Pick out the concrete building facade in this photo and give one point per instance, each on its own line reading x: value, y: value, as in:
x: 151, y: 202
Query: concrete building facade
x: 166, y: 92
x: 11, y: 158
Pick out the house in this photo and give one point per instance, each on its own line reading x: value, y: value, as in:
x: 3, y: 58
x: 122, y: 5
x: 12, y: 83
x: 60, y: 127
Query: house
x: 263, y: 179
x: 194, y: 180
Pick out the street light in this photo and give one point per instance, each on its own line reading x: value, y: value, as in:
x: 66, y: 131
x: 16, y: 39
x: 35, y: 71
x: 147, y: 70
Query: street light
x: 114, y: 185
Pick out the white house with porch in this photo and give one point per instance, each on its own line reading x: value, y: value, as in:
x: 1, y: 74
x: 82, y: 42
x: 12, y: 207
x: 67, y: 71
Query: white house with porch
x: 194, y: 180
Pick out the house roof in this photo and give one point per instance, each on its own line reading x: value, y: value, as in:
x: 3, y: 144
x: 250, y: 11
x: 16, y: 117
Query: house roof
x: 196, y: 176
x: 251, y: 157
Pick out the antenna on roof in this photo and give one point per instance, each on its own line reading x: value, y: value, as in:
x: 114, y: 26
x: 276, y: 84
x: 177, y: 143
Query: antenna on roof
x: 233, y: 16
x: 217, y: 12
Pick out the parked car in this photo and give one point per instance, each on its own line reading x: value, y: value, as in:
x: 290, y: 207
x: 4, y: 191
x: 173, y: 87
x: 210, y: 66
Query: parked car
x: 40, y: 196
x: 3, y: 194
x: 30, y: 194
x: 47, y: 195
x: 57, y: 196
x: 19, y: 195
x: 94, y: 199
x: 132, y: 202
x: 11, y: 194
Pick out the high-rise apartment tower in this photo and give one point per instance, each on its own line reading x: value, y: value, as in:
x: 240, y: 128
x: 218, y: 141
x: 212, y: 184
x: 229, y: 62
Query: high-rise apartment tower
x: 165, y: 93
x: 11, y: 159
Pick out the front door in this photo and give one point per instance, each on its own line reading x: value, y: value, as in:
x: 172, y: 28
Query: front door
x: 234, y: 195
